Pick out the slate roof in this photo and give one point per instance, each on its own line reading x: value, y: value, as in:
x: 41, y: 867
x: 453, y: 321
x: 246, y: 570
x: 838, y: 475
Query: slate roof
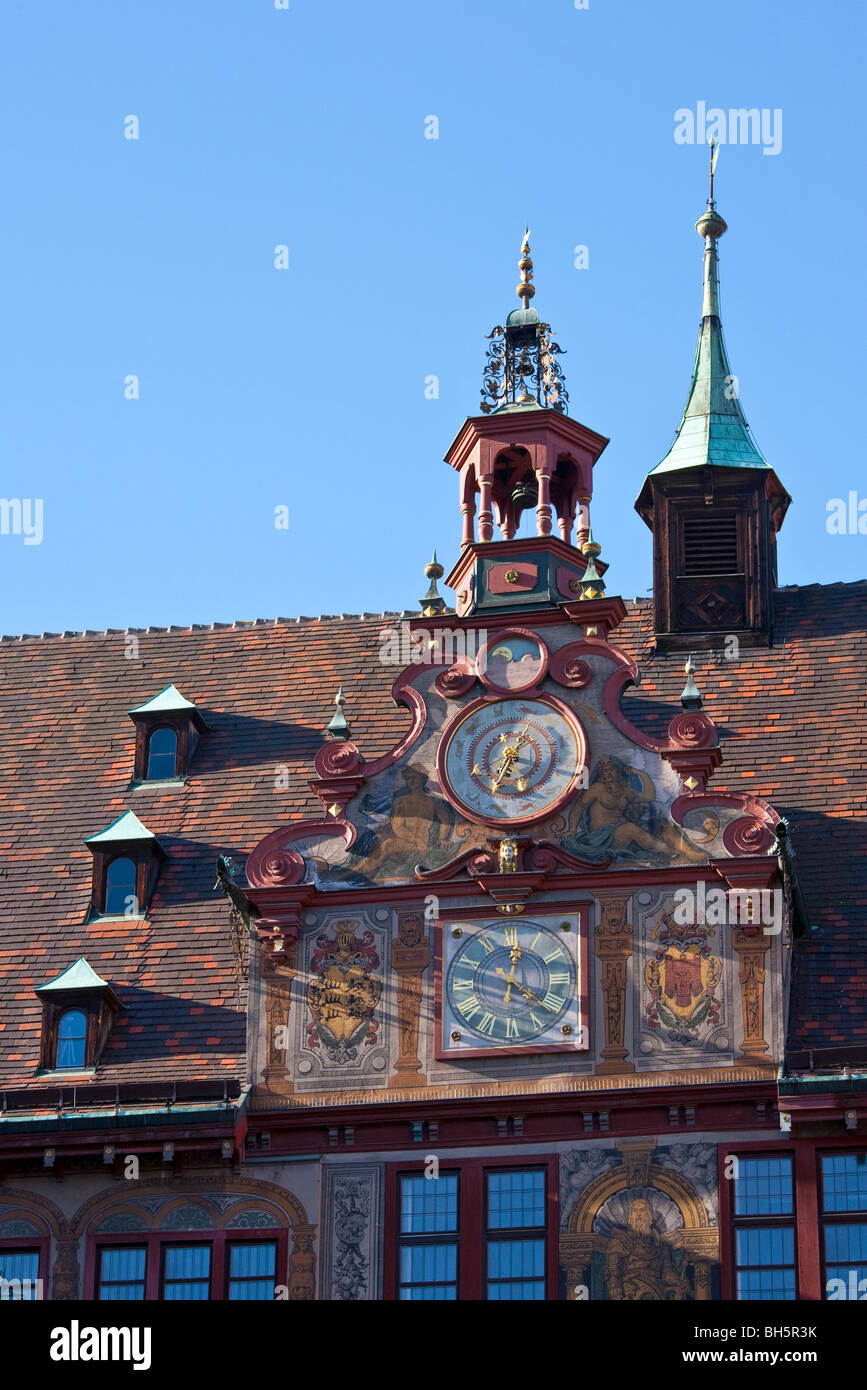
x: 791, y: 719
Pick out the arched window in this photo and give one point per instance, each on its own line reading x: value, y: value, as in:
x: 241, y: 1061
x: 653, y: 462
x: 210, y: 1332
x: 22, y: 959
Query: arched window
x: 119, y: 886
x: 162, y: 754
x: 71, y: 1039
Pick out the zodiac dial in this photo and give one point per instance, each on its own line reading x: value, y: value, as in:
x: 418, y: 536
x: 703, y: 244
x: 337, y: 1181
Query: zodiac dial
x: 511, y: 760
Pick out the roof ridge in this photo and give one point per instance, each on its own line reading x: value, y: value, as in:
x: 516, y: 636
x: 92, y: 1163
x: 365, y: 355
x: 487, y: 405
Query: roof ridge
x: 244, y: 623
x: 239, y: 623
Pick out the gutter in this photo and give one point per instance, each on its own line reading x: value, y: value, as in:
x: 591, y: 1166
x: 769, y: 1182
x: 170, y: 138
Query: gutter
x: 228, y: 1117
x: 789, y: 872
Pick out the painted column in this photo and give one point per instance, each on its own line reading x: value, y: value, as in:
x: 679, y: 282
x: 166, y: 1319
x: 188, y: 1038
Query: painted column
x: 613, y: 948
x: 410, y: 954
x: 751, y: 950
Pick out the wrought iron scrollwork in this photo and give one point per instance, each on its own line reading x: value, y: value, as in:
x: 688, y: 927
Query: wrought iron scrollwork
x: 521, y: 367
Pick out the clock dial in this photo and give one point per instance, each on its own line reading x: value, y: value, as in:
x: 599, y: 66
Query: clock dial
x: 509, y: 985
x: 512, y: 760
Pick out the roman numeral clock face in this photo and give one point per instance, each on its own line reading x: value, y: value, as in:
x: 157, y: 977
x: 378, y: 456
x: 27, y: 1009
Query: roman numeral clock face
x: 511, y: 761
x: 510, y: 985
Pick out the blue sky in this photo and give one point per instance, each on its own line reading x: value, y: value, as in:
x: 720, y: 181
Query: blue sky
x: 305, y: 387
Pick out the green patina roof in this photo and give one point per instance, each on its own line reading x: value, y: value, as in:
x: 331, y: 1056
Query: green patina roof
x: 712, y: 430
x: 126, y: 827
x: 79, y: 975
x: 168, y: 699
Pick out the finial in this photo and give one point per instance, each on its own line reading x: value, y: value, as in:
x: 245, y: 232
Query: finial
x: 710, y: 224
x: 338, y: 727
x: 691, y: 695
x: 526, y: 289
x: 522, y: 371
x: 433, y: 603
x: 433, y: 569
x: 591, y: 582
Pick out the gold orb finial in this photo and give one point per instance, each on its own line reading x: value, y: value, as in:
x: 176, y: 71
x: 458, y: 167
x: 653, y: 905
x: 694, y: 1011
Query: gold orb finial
x: 526, y: 289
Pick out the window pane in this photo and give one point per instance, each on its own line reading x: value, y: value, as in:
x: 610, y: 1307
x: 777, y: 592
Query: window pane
x: 439, y: 1293
x: 846, y: 1261
x: 846, y: 1243
x: 19, y: 1270
x: 71, y: 1039
x: 119, y: 886
x: 526, y: 1292
x: 186, y: 1272
x: 845, y: 1182
x: 516, y: 1259
x: 122, y: 1272
x: 187, y: 1261
x: 162, y: 754
x: 252, y: 1259
x: 763, y: 1186
x: 766, y: 1284
x: 767, y: 1245
x: 252, y: 1269
x: 428, y: 1264
x: 428, y: 1204
x: 516, y: 1199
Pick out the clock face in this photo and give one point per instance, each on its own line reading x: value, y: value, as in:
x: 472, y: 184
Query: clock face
x: 511, y: 761
x: 510, y: 985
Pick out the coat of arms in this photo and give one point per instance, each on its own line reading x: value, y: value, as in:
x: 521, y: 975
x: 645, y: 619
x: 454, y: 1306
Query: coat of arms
x: 682, y: 977
x: 343, y: 994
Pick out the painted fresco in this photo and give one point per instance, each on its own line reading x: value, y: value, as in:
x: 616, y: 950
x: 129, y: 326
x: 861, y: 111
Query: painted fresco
x: 622, y: 816
x: 343, y: 992
x: 339, y: 1026
x: 682, y: 998
x: 639, y: 1223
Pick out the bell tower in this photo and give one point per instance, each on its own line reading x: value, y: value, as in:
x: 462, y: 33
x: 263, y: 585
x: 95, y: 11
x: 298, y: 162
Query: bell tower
x: 523, y: 454
x: 713, y: 504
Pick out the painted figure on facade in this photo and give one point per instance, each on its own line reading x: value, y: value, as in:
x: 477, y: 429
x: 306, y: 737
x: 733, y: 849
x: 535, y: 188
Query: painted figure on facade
x: 640, y: 1264
x: 419, y: 827
x: 616, y: 818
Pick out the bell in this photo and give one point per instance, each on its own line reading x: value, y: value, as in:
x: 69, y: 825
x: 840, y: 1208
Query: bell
x: 525, y: 494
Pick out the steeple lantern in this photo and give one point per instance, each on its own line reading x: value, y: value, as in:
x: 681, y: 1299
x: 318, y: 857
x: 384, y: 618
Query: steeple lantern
x: 523, y: 454
x: 713, y: 503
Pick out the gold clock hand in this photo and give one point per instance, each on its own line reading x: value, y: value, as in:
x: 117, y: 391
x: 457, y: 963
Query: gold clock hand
x: 510, y: 980
x: 528, y: 993
x: 508, y: 763
x: 514, y: 956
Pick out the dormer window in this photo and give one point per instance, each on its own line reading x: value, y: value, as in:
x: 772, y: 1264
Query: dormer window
x: 120, y: 886
x: 77, y: 1012
x: 167, y: 731
x: 72, y: 1039
x: 126, y: 863
x: 162, y: 759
